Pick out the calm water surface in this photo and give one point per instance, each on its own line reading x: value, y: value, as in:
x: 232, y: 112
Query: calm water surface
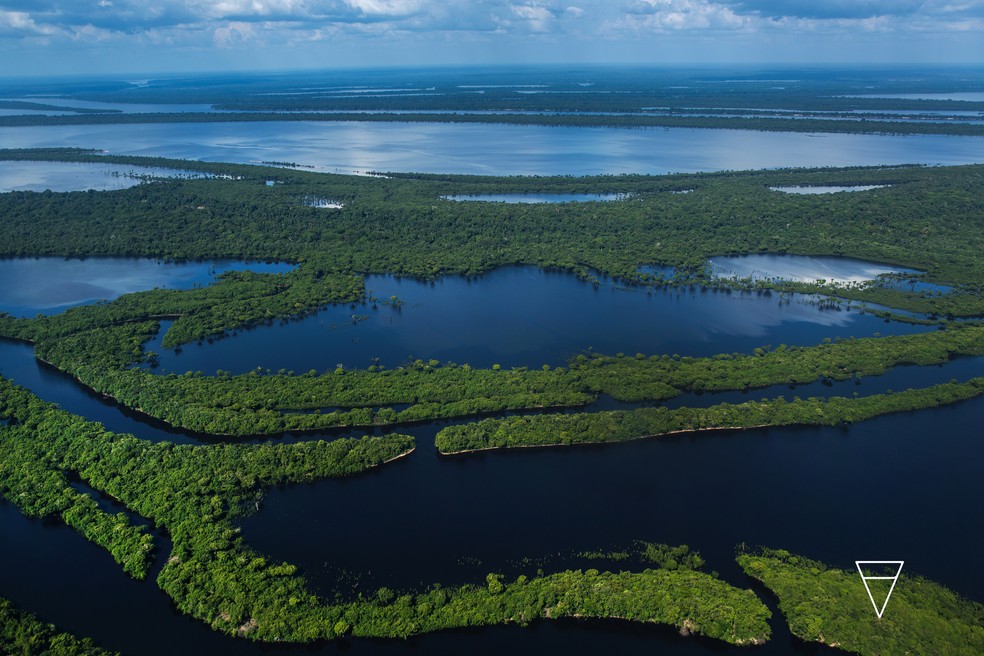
x: 49, y: 285
x: 76, y: 176
x: 499, y: 149
x: 522, y: 316
x: 837, y: 495
x: 801, y: 268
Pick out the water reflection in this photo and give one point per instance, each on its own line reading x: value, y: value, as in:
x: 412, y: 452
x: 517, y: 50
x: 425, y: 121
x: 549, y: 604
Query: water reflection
x: 499, y: 149
x: 48, y: 284
x: 522, y: 316
x: 801, y: 268
x: 77, y: 176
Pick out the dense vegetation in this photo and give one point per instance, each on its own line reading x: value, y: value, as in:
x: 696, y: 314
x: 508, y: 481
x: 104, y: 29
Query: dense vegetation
x: 928, y: 219
x: 194, y: 492
x: 621, y: 425
x: 545, y: 88
x: 829, y: 605
x: 758, y: 123
x: 22, y: 634
x: 817, y: 100
x: 45, y: 107
x: 257, y: 403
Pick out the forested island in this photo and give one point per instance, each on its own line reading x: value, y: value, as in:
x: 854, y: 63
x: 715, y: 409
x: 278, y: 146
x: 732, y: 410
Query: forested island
x: 822, y: 604
x: 22, y: 634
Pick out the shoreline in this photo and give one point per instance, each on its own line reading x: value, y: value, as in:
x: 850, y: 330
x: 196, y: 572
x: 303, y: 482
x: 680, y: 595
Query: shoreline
x: 630, y: 439
x: 397, y: 457
x: 977, y: 394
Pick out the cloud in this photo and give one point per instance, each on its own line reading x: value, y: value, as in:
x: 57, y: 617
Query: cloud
x: 503, y: 29
x: 534, y: 17
x: 232, y: 34
x: 21, y: 24
x: 800, y: 16
x: 674, y: 15
x: 825, y: 9
x: 136, y: 16
x: 132, y: 16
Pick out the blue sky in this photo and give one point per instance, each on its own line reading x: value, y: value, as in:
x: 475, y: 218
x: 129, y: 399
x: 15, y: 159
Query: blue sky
x: 133, y: 36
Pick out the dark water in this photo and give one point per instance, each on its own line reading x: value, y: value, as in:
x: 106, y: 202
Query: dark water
x: 17, y: 363
x: 522, y: 316
x: 48, y: 285
x: 897, y: 487
x: 77, y: 585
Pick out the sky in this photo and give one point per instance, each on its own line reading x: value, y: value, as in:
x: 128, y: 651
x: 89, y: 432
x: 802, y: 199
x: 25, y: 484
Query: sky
x: 57, y: 37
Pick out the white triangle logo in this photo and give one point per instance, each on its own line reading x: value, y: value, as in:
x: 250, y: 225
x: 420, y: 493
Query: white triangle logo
x: 894, y: 579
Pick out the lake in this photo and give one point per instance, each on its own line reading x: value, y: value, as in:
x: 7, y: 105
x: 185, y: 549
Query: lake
x: 49, y: 284
x: 499, y: 149
x: 522, y: 316
x: 77, y: 176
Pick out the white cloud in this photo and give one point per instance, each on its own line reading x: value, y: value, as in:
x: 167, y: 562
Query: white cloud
x: 20, y: 23
x: 537, y: 17
x: 387, y: 7
x: 232, y: 34
x: 673, y: 15
x: 497, y: 28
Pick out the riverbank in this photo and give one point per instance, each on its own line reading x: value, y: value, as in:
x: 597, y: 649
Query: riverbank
x: 621, y: 426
